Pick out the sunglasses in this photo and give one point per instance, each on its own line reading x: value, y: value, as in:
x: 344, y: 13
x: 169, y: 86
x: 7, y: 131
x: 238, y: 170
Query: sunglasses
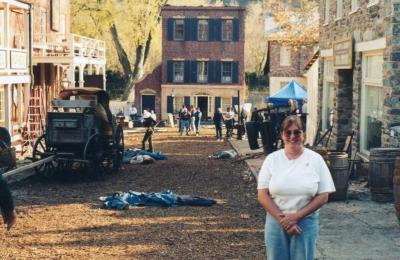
x: 296, y: 132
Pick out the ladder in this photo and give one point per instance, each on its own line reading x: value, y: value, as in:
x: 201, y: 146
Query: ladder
x: 34, y: 118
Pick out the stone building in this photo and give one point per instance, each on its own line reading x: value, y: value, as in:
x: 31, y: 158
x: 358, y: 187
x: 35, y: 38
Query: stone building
x: 202, y: 61
x: 15, y: 60
x: 359, y: 72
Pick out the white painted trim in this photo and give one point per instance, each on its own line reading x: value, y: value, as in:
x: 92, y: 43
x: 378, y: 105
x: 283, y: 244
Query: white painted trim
x: 17, y: 4
x: 377, y: 44
x: 15, y: 79
x: 148, y: 91
x: 326, y: 53
x: 202, y: 86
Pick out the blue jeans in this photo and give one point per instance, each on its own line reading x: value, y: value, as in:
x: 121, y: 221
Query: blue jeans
x: 281, y: 246
x: 184, y: 124
x: 218, y: 130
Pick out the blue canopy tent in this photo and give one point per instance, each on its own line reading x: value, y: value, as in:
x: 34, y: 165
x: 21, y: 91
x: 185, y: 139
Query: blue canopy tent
x: 293, y: 90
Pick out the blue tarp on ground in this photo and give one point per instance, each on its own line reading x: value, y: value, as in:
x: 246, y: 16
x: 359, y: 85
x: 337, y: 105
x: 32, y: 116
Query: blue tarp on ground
x: 293, y: 90
x: 123, y: 200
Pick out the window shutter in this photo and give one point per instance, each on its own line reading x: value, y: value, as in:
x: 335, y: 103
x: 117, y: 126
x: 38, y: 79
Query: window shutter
x: 217, y: 72
x: 218, y: 29
x: 194, y: 28
x: 170, y: 71
x: 186, y: 100
x: 235, y: 102
x: 235, y: 72
x: 170, y: 29
x: 236, y: 28
x: 170, y: 104
x: 211, y: 30
x: 193, y: 71
x: 217, y: 103
x: 211, y: 71
x: 187, y: 29
x: 186, y: 71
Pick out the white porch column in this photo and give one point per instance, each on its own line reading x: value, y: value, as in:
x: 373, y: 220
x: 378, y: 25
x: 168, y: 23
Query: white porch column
x: 7, y: 119
x: 81, y: 80
x: 72, y: 75
x: 7, y: 29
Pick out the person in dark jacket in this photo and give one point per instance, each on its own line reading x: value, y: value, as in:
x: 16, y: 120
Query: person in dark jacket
x: 7, y: 205
x: 218, y: 122
x: 149, y: 123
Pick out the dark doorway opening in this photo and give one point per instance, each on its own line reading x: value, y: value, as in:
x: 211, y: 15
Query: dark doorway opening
x: 148, y: 103
x: 202, y: 103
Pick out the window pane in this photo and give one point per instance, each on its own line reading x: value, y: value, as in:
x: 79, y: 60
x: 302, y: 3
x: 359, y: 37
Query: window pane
x: 339, y: 8
x: 203, y: 30
x: 178, y: 30
x: 285, y: 58
x: 227, y: 27
x: 328, y: 68
x: 354, y: 5
x: 326, y: 15
x: 374, y: 114
x: 374, y: 65
x: 178, y: 71
x: 226, y: 72
x: 202, y: 73
x: 328, y: 104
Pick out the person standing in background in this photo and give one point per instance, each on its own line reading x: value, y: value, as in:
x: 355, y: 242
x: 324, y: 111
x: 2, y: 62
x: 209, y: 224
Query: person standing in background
x: 197, y: 119
x: 132, y: 112
x: 149, y: 123
x: 218, y: 122
x: 229, y: 115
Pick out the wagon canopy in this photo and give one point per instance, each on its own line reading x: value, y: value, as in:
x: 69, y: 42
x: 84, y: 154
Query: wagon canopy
x: 293, y: 90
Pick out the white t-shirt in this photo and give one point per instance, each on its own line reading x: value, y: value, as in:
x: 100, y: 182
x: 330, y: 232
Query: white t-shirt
x: 293, y: 183
x: 229, y: 115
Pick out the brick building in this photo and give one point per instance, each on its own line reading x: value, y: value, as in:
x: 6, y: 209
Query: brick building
x: 359, y: 72
x: 286, y: 63
x: 202, y: 61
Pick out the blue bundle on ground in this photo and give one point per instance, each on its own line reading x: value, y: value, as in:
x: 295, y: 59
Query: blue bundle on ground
x: 123, y: 200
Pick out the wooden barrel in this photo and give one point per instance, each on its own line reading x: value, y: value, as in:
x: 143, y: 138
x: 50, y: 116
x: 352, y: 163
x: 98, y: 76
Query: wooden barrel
x: 396, y: 187
x: 338, y: 163
x: 380, y: 173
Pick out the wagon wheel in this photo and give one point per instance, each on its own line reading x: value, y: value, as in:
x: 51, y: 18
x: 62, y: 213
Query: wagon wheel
x: 6, y: 163
x: 41, y: 151
x: 95, y: 152
x: 118, y: 148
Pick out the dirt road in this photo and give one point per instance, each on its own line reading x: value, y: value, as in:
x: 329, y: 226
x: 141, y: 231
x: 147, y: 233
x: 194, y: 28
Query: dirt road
x: 64, y: 220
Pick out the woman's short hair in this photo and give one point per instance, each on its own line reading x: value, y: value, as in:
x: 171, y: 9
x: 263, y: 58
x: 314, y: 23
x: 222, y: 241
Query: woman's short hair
x: 292, y: 120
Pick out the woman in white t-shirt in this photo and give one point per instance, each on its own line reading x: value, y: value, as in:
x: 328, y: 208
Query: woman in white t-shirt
x: 293, y: 184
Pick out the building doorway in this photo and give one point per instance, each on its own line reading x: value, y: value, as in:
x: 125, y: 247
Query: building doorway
x: 148, y: 102
x: 202, y: 103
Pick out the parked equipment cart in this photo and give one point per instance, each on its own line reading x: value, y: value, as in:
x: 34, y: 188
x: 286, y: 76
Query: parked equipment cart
x: 81, y: 134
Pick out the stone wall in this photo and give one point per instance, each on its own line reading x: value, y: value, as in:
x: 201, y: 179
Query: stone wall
x: 367, y: 23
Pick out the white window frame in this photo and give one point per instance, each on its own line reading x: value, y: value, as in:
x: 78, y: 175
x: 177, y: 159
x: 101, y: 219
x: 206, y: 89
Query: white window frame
x: 326, y: 11
x: 285, y: 57
x: 183, y: 30
x: 225, y: 78
x: 178, y: 77
x: 202, y: 23
x: 339, y: 9
x: 2, y: 27
x: 328, y: 79
x: 225, y: 34
x: 355, y: 5
x: 202, y: 77
x: 365, y: 83
x: 2, y: 105
x: 372, y: 3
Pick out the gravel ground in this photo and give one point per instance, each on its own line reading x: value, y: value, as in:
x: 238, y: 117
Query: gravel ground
x: 63, y: 220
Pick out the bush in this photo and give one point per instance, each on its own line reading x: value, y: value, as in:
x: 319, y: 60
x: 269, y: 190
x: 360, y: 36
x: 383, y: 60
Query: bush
x: 254, y: 81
